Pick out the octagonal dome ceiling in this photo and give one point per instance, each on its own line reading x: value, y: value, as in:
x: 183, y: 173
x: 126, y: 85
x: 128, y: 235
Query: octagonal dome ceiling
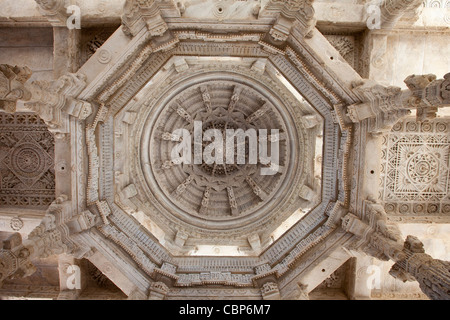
x: 160, y: 81
x: 220, y: 204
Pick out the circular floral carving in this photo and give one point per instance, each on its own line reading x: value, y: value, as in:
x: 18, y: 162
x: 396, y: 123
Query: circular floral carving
x: 217, y: 190
x: 427, y: 127
x: 219, y: 11
x: 446, y: 208
x: 221, y: 199
x: 16, y: 224
x: 419, y: 208
x: 104, y: 56
x: 411, y: 127
x: 398, y: 126
x: 404, y: 208
x: 423, y: 168
x: 389, y: 207
x: 441, y: 127
x: 27, y: 160
x: 433, y: 208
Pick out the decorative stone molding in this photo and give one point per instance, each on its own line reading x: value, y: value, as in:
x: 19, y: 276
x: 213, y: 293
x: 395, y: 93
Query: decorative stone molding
x: 425, y: 94
x: 270, y: 291
x: 139, y: 14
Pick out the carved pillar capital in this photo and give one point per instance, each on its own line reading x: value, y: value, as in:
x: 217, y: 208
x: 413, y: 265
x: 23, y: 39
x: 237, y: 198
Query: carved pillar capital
x: 387, y: 105
x: 15, y: 259
x: 377, y: 237
x: 52, y: 236
x: 300, y: 10
x: 54, y: 10
x: 428, y: 94
x: 53, y: 101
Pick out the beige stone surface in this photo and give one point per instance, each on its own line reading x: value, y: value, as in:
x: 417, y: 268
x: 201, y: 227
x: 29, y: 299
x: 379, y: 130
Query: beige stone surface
x: 356, y: 175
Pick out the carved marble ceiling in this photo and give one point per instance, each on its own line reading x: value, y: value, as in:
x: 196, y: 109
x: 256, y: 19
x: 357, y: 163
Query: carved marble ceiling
x: 158, y: 227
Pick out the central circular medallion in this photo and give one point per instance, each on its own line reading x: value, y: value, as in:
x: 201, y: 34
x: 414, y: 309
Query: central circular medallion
x: 221, y: 153
x: 26, y: 161
x: 423, y: 168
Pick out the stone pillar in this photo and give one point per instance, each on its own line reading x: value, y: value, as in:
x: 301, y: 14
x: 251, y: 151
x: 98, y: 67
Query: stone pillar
x: 433, y: 275
x: 387, y: 105
x: 383, y: 241
x: 393, y: 10
x: 51, y: 237
x: 66, y: 51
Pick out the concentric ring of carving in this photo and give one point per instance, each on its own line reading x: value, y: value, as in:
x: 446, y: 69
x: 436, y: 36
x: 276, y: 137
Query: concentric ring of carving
x: 423, y: 168
x: 221, y: 189
x: 220, y: 200
x: 27, y: 160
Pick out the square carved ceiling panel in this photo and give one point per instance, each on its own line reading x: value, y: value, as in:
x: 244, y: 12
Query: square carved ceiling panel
x: 27, y: 176
x: 415, y: 170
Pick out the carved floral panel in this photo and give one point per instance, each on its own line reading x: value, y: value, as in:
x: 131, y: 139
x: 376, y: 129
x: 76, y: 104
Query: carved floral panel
x: 415, y: 169
x: 27, y: 177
